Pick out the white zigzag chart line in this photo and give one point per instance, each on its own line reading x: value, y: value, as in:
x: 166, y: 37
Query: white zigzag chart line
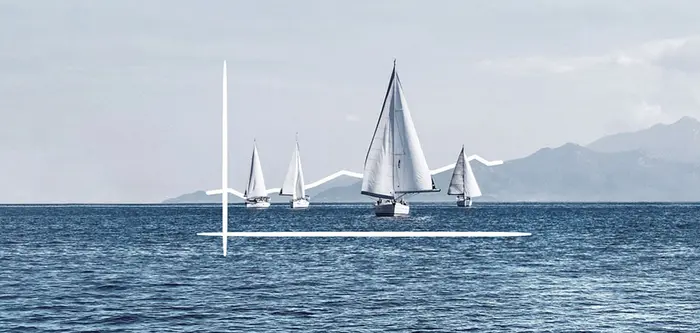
x: 224, y: 234
x: 355, y: 175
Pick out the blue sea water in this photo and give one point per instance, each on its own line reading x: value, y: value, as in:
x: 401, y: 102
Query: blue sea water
x: 586, y: 267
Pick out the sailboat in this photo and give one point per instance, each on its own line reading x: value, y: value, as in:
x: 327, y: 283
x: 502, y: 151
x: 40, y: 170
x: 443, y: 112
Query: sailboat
x: 395, y: 165
x: 256, y: 193
x: 463, y: 183
x: 294, y: 181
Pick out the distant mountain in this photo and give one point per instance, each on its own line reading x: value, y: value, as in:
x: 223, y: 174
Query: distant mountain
x: 567, y: 173
x: 679, y: 141
x: 195, y: 197
x: 575, y: 173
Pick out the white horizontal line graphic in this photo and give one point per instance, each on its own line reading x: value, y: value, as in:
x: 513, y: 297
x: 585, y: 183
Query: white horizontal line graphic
x: 360, y: 234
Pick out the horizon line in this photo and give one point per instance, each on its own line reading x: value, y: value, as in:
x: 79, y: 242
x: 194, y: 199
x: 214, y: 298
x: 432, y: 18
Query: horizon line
x: 490, y: 202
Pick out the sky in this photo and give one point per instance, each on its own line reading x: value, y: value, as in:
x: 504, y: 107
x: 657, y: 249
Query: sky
x: 120, y: 101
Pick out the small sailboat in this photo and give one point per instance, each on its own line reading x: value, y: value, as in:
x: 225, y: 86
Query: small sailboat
x: 294, y: 182
x: 395, y: 165
x: 463, y: 183
x: 256, y: 193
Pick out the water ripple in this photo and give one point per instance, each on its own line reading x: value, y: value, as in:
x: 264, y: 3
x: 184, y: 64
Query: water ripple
x: 587, y: 267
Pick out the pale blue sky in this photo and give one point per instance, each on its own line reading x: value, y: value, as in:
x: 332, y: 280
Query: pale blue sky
x: 119, y: 101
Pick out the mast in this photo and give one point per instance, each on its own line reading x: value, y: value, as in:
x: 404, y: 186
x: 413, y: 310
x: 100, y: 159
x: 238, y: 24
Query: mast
x: 224, y: 160
x: 392, y: 121
x: 299, y: 190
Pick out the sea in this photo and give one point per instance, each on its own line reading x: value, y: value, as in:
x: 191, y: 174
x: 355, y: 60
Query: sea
x: 593, y: 267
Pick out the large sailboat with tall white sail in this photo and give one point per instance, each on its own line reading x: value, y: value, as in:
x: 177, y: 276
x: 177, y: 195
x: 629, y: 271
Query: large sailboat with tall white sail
x: 256, y: 193
x: 293, y: 185
x: 395, y: 165
x: 463, y: 182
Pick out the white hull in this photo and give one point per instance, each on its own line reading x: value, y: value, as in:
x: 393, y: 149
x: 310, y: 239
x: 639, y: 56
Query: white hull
x: 299, y: 203
x: 391, y: 209
x: 462, y: 202
x: 257, y: 204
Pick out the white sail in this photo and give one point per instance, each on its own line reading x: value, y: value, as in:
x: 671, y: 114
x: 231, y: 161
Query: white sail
x: 463, y: 181
x: 256, y: 182
x: 457, y: 180
x: 377, y: 176
x: 299, y: 191
x: 395, y: 163
x: 291, y: 177
x: 294, y: 180
x: 470, y: 184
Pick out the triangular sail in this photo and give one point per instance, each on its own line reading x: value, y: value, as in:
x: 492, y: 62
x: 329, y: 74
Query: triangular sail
x: 409, y: 162
x: 457, y: 181
x: 256, y: 182
x: 377, y: 180
x: 294, y: 180
x: 395, y: 163
x: 471, y: 186
x: 299, y: 191
x: 291, y: 177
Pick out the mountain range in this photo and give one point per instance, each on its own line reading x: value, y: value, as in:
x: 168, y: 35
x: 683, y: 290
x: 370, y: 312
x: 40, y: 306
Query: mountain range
x: 675, y: 142
x: 660, y: 163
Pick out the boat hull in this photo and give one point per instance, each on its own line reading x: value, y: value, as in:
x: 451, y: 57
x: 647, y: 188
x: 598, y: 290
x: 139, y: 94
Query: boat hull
x: 464, y: 202
x: 300, y: 203
x: 258, y: 204
x: 391, y: 209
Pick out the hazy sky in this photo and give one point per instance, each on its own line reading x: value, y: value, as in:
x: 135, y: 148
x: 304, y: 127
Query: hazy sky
x: 120, y: 101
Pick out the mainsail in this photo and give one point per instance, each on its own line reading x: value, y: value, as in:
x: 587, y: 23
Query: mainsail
x: 294, y: 180
x: 299, y: 191
x: 256, y: 182
x: 463, y: 181
x: 395, y: 164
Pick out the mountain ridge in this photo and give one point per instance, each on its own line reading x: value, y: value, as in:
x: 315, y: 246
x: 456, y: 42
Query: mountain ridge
x: 549, y: 174
x: 632, y: 166
x: 666, y: 141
